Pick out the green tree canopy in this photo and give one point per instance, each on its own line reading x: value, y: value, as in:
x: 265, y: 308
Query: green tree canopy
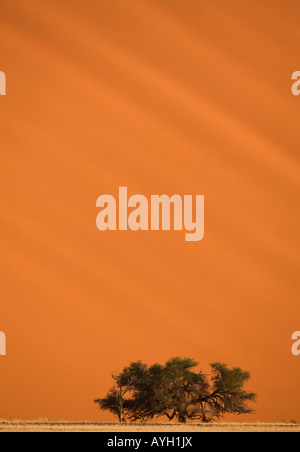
x: 177, y: 390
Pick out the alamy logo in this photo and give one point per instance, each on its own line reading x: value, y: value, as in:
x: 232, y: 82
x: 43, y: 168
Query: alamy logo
x: 136, y: 213
x: 296, y: 85
x: 2, y: 344
x: 2, y: 84
x: 296, y: 344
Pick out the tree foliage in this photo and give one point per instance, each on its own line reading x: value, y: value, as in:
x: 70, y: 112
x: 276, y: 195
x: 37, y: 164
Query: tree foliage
x: 178, y: 391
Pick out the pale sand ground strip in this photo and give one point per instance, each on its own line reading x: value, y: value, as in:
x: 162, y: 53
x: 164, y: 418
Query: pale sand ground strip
x: 41, y: 426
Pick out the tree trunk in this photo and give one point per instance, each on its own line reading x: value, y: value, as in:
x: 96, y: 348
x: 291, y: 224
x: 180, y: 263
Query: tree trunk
x: 182, y: 418
x: 120, y: 410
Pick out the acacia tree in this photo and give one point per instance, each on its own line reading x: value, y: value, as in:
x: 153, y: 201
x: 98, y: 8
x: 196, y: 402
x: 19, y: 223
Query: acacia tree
x: 170, y: 390
x: 176, y: 390
x: 228, y: 395
x: 117, y: 399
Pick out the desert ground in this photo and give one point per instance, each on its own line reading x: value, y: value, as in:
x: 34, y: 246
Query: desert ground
x: 49, y: 426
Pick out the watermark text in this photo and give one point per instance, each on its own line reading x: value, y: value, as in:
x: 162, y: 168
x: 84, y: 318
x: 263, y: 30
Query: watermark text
x: 2, y: 84
x: 296, y: 84
x: 2, y: 344
x: 296, y: 344
x: 161, y: 212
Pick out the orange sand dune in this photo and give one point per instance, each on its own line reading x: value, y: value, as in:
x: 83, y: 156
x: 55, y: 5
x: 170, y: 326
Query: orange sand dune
x: 187, y: 97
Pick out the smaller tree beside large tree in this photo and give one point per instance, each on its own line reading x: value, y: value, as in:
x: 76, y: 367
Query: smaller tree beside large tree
x: 117, y: 400
x: 177, y: 390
